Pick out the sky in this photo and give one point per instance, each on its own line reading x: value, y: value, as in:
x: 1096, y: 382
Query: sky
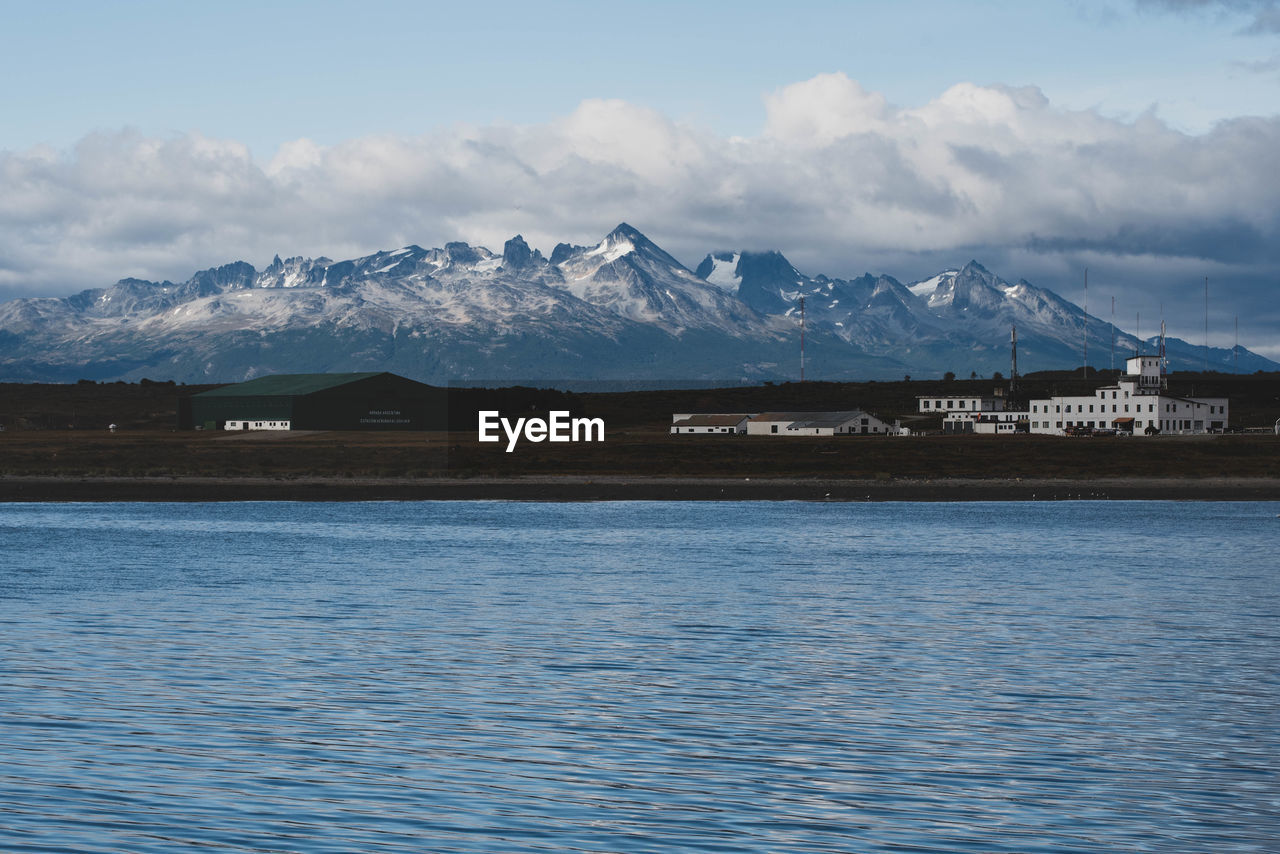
x: 1139, y: 139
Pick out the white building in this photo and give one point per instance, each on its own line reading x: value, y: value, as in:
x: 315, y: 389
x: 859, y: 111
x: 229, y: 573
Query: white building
x: 931, y: 404
x: 256, y: 425
x: 1137, y: 404
x: 1000, y: 423
x: 854, y: 422
x: 722, y: 423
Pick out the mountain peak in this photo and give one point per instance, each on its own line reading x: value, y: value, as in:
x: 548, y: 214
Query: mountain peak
x: 626, y: 231
x: 623, y: 241
x: 516, y: 254
x: 461, y: 253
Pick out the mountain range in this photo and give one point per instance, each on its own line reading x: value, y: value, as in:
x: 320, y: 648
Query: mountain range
x: 622, y: 309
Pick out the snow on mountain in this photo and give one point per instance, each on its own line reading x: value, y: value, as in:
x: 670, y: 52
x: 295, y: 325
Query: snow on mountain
x: 926, y: 287
x: 622, y: 308
x: 721, y: 270
x: 631, y: 276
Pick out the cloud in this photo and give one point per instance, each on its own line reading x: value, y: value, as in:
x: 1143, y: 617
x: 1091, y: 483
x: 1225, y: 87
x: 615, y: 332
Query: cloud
x: 1265, y: 13
x: 839, y: 179
x: 1263, y: 66
x: 1266, y: 21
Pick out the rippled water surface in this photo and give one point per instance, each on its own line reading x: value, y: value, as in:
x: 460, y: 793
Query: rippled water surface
x: 635, y: 677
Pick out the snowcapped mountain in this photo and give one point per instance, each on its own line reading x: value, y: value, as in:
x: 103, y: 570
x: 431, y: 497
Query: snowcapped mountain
x: 621, y: 309
x: 627, y: 274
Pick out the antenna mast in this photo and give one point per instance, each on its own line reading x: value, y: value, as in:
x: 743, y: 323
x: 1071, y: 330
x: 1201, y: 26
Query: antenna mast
x: 1235, y: 351
x: 1085, y: 368
x: 801, y: 339
x: 1113, y: 334
x: 1013, y: 372
x: 1164, y: 363
x: 1206, y: 324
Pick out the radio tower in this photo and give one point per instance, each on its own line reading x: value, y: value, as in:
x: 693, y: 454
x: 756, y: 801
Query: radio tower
x: 1113, y: 335
x: 1206, y: 324
x: 1013, y: 371
x: 1164, y: 363
x: 801, y: 339
x: 1086, y: 323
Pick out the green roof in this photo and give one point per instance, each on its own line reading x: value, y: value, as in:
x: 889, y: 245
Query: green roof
x: 287, y: 384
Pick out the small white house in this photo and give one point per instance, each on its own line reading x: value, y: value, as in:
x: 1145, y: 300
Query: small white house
x: 853, y: 422
x: 722, y: 423
x: 256, y: 425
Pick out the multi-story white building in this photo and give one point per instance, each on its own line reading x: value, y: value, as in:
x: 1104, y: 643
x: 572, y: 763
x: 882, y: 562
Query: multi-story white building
x: 946, y: 404
x: 1138, y: 404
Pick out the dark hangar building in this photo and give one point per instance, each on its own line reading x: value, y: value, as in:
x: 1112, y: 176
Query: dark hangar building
x: 367, y: 401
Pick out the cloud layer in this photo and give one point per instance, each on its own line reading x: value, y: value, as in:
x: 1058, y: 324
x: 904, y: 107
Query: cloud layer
x: 838, y: 179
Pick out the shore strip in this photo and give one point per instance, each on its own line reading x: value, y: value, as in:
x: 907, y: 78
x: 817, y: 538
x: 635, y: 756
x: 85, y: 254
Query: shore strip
x: 626, y: 488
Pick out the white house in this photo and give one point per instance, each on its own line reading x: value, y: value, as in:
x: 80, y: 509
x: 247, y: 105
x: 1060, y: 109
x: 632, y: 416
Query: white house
x: 1137, y: 404
x: 854, y: 422
x: 256, y: 425
x: 930, y: 404
x: 686, y: 423
x: 1001, y: 423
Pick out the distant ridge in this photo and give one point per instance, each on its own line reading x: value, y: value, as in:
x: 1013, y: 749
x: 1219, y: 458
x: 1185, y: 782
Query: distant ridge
x: 622, y: 310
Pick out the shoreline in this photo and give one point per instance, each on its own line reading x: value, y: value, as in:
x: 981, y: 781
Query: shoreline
x: 629, y: 488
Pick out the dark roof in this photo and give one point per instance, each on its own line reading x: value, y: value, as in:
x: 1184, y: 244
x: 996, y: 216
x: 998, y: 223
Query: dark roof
x: 288, y: 385
x: 716, y: 420
x: 831, y: 419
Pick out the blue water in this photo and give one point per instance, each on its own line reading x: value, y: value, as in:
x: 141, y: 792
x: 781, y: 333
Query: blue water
x: 637, y: 677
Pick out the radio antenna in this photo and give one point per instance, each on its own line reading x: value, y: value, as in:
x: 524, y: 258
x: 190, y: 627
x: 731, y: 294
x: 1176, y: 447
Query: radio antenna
x: 1086, y: 323
x: 801, y: 339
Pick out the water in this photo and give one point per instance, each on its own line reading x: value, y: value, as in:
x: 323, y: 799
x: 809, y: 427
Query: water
x: 638, y: 677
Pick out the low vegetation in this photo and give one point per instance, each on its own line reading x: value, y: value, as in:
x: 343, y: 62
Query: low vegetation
x: 61, y: 430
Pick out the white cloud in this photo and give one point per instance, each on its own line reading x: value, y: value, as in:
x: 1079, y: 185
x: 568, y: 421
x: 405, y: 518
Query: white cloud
x: 839, y: 179
x: 818, y: 111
